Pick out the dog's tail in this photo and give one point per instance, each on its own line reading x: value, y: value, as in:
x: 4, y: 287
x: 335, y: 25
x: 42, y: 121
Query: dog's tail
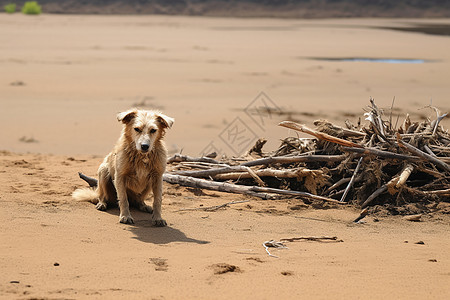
x: 86, y: 194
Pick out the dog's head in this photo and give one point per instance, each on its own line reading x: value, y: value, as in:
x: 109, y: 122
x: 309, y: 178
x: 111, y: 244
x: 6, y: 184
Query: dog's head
x: 144, y: 127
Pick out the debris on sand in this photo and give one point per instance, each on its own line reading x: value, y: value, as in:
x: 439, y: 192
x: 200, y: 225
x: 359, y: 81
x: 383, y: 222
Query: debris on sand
x: 402, y: 167
x: 222, y: 268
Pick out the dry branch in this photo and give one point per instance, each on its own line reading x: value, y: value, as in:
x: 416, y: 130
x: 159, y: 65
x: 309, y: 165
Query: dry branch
x: 283, y: 173
x: 261, y: 192
x: 423, y: 155
x: 212, y: 172
x: 404, y: 175
x: 293, y: 159
x: 352, y: 180
x: 381, y: 153
x: 322, y: 239
x: 317, y: 134
x: 375, y: 194
x: 180, y: 158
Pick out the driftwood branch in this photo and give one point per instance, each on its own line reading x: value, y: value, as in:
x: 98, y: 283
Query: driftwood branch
x: 293, y: 159
x: 283, y: 173
x: 381, y: 153
x: 318, y: 134
x: 352, y: 180
x: 261, y: 192
x: 437, y: 192
x: 338, y: 184
x: 362, y: 215
x: 180, y: 158
x: 423, y: 155
x: 255, y: 176
x: 212, y: 172
x: 375, y: 194
x: 404, y: 175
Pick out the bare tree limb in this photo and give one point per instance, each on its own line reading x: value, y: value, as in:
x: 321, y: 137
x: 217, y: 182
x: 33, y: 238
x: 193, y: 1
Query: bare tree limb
x: 423, y: 155
x: 317, y: 134
x: 180, y: 158
x: 381, y: 153
x: 375, y: 194
x: 293, y: 159
x: 261, y: 192
x: 352, y: 180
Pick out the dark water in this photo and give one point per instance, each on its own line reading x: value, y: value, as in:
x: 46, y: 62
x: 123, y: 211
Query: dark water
x: 374, y: 60
x: 434, y: 29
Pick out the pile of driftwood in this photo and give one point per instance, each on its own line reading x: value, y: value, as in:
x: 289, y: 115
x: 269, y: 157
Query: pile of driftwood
x: 364, y: 165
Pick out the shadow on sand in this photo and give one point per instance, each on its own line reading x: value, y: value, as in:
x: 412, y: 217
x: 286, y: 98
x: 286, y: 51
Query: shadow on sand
x: 146, y: 233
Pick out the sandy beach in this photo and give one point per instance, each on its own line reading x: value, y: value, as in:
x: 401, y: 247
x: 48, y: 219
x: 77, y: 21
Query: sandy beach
x: 64, y: 78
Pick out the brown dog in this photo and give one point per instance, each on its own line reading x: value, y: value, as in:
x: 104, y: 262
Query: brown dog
x: 134, y: 167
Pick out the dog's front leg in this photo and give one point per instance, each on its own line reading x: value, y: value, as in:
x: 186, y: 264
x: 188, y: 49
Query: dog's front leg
x: 125, y: 216
x: 157, y: 220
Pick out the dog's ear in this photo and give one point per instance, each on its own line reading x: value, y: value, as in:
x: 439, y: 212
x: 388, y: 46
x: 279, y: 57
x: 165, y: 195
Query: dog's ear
x: 165, y: 121
x: 126, y: 116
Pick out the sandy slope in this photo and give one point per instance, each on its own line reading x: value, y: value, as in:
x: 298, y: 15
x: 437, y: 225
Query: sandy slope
x: 79, y: 71
x: 97, y: 257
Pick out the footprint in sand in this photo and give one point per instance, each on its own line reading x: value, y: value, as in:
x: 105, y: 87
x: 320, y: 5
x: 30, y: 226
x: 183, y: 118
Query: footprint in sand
x: 160, y: 264
x: 222, y: 268
x: 257, y: 259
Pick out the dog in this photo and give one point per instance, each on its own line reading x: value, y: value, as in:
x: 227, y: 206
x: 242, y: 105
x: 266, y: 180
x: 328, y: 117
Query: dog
x: 134, y: 168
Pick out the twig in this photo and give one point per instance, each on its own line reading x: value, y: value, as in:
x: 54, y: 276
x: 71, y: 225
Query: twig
x: 352, y: 180
x: 314, y: 238
x: 436, y: 123
x: 215, y: 207
x: 273, y: 244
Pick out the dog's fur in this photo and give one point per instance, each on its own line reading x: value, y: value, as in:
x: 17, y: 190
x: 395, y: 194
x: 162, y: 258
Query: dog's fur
x: 134, y: 168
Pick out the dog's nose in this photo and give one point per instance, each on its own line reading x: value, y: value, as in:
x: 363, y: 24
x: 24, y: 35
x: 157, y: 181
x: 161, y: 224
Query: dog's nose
x: 145, y: 147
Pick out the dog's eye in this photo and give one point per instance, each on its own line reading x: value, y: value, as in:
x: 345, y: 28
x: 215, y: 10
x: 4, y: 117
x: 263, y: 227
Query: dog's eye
x: 137, y: 130
x: 153, y: 130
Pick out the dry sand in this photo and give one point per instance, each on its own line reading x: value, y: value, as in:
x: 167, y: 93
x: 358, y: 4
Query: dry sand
x: 63, y: 79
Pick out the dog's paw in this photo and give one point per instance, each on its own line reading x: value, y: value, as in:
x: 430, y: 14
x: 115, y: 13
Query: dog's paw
x: 101, y: 206
x: 159, y: 223
x: 126, y: 220
x: 146, y: 208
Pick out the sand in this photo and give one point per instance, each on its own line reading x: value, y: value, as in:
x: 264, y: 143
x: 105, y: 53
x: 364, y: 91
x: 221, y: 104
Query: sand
x: 64, y: 78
